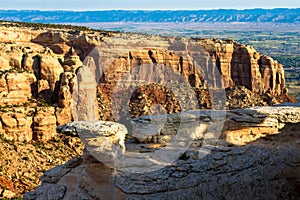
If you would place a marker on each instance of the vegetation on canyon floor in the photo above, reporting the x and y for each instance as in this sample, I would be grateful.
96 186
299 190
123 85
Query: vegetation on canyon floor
36 157
23 163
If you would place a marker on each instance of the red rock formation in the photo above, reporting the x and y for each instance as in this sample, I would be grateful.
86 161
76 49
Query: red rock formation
64 110
41 66
221 54
272 75
16 124
44 124
10 57
16 88
236 65
50 69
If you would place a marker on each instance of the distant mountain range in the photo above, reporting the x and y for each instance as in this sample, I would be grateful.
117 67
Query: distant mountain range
281 15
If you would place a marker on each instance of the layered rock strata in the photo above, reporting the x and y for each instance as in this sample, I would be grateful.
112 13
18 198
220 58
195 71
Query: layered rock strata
135 73
261 168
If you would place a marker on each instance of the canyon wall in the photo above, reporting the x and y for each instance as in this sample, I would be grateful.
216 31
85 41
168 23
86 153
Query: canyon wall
38 75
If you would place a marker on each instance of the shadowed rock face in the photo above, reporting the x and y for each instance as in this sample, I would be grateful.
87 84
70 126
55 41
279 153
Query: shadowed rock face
226 173
38 68
265 167
42 75
238 64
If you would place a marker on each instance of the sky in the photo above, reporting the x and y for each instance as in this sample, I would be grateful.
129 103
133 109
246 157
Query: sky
144 4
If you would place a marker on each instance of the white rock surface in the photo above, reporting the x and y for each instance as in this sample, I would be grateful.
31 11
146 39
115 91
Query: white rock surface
263 169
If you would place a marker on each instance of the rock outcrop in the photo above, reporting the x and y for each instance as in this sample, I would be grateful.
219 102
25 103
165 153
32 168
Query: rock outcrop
16 124
260 169
50 70
44 124
239 126
136 74
41 77
16 88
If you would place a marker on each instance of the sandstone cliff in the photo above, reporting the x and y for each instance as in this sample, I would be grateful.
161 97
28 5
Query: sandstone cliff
38 69
43 83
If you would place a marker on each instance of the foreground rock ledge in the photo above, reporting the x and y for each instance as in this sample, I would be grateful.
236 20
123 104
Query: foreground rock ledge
266 168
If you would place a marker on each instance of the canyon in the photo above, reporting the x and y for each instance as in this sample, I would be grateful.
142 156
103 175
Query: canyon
38 75
52 76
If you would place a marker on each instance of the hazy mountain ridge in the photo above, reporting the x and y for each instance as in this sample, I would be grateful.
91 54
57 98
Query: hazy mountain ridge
282 15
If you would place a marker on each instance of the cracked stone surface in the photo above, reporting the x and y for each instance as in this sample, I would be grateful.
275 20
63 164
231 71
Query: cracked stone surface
267 167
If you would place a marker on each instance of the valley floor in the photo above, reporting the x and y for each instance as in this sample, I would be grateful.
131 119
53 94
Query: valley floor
22 164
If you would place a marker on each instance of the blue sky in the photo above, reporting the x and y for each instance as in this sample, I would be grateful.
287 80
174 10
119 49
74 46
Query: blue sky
145 4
